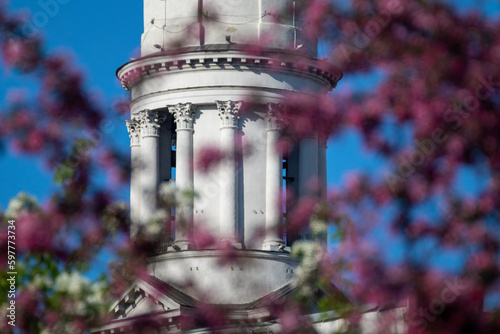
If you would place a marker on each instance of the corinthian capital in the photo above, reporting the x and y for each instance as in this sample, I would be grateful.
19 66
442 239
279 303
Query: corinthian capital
274 116
228 113
134 131
150 123
183 115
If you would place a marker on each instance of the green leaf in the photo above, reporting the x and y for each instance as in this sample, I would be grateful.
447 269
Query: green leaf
63 173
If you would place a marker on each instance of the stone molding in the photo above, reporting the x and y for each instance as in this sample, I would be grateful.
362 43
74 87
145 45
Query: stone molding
133 71
229 113
134 130
183 115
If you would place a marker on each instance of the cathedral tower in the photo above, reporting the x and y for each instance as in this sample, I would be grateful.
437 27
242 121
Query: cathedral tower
215 75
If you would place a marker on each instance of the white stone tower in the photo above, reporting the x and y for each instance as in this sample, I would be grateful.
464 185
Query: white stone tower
202 82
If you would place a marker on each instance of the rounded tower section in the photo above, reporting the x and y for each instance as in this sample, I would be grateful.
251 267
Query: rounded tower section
215 74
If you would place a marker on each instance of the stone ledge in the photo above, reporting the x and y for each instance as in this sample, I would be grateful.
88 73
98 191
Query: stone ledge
135 70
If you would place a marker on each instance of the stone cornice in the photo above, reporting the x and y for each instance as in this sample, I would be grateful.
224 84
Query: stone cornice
133 71
256 254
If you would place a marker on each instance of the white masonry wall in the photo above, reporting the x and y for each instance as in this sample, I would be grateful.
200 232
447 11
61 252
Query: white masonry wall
173 23
251 175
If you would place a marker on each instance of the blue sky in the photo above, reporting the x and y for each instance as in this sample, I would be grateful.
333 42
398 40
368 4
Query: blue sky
100 36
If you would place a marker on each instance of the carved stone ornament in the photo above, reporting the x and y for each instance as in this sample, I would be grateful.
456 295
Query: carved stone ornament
150 123
134 130
228 113
183 115
274 116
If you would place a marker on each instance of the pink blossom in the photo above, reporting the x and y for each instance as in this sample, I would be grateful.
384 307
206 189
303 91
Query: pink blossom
202 238
34 233
208 157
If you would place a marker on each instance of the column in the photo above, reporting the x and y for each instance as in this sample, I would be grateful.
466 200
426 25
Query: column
166 169
308 172
308 167
150 163
322 179
274 180
228 113
134 130
183 116
323 186
165 152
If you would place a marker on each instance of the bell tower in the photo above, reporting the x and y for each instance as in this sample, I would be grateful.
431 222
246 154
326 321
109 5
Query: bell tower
216 75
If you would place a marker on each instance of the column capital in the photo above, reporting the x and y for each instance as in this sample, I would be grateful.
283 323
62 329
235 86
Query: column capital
183 115
274 116
228 113
150 121
134 130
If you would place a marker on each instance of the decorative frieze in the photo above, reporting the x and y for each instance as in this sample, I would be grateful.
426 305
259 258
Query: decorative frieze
183 115
274 117
229 113
134 130
134 71
150 122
